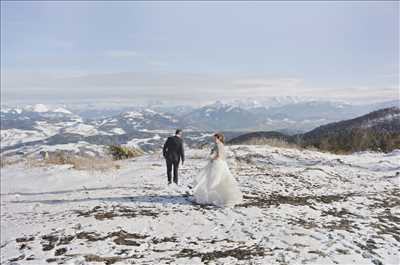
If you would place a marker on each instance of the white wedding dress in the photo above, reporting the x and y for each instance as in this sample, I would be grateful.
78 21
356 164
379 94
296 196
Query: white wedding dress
215 184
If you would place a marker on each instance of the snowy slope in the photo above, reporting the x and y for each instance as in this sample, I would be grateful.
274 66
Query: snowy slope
130 121
39 122
300 207
16 136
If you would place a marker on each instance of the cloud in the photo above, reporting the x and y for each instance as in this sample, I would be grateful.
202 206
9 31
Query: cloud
272 82
121 53
157 63
366 93
183 87
61 44
392 75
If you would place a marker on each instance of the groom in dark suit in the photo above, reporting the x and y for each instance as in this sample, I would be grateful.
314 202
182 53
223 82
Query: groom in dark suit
173 152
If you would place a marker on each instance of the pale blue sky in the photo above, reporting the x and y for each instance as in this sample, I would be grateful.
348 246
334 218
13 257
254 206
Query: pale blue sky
213 50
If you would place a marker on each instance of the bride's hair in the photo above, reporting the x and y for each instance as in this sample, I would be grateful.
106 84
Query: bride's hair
220 136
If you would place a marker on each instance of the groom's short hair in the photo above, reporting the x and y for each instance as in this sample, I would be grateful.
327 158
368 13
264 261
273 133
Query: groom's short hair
178 131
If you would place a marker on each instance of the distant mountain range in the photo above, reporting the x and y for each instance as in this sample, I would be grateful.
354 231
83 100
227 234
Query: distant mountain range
291 118
378 130
29 128
290 115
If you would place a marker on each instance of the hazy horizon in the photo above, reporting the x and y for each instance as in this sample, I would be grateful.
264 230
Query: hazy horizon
130 104
198 52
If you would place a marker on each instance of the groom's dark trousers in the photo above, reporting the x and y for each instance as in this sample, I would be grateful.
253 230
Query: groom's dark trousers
170 165
173 153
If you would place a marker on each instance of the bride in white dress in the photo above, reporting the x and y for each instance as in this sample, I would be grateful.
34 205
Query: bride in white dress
215 184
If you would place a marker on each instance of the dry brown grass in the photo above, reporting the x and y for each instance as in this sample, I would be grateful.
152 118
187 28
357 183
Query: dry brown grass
95 164
77 162
272 142
283 144
119 152
7 161
197 156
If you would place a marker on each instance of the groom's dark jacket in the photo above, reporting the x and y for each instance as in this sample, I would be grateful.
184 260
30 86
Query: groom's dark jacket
173 149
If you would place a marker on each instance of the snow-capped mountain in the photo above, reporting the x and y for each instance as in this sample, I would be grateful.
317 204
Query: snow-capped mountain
384 120
251 103
25 129
255 115
220 116
37 128
287 114
146 119
378 130
26 118
33 123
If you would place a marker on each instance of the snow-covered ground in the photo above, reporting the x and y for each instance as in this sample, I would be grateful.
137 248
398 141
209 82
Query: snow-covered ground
300 207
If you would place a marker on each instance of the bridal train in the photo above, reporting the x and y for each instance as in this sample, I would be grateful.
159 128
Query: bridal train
215 184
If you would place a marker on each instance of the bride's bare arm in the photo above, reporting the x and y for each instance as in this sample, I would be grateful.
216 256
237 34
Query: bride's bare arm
214 153
216 156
